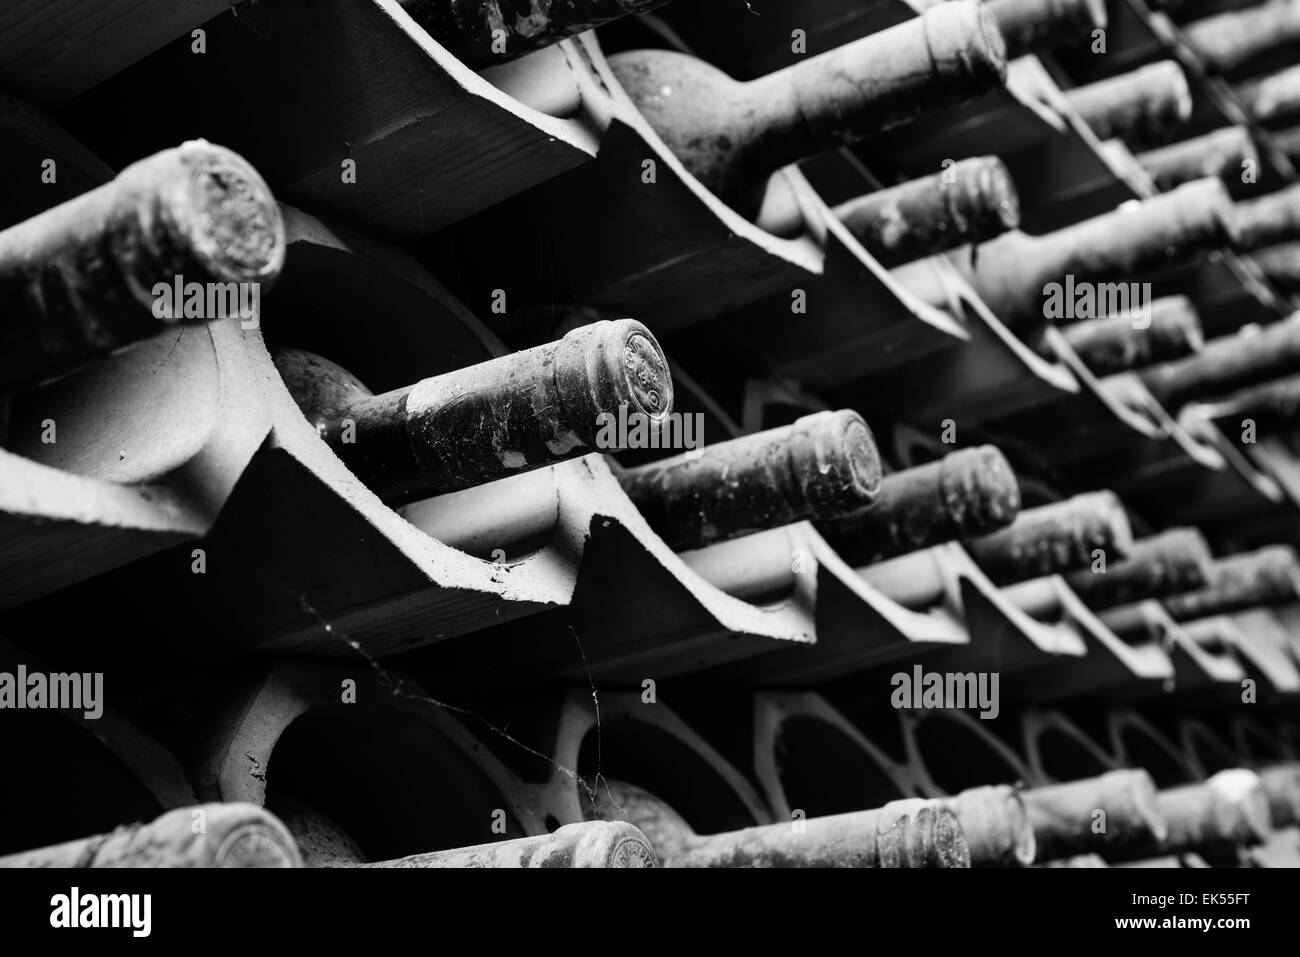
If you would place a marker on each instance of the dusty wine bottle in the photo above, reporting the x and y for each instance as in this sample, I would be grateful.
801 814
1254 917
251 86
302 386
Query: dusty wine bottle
324 843
1226 364
487 421
1267 576
1224 153
1143 107
1230 41
1280 264
910 833
592 844
232 835
485 32
1055 538
1016 273
822 466
1227 810
965 493
996 824
1064 816
1269 220
732 136
1170 330
77 282
1275 401
969 202
1273 99
1174 561
1033 25
1281 783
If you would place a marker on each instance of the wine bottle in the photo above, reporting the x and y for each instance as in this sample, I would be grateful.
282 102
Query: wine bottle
232 835
1170 330
593 844
1280 264
1231 41
1274 99
1267 576
1226 364
1033 25
1143 106
965 493
996 824
971 201
1281 783
1064 816
1174 561
1032 279
1225 153
820 467
484 32
1275 401
1270 219
80 281
1055 538
324 843
908 833
487 421
732 136
1230 808
1041 541
1226 811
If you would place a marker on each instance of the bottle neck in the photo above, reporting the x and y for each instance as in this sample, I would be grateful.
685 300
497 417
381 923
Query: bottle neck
1062 814
949 54
1223 153
1030 25
970 492
822 466
489 421
1086 270
1227 363
970 202
1169 330
996 825
1175 561
1140 105
1230 39
733 136
1054 538
909 833
1270 219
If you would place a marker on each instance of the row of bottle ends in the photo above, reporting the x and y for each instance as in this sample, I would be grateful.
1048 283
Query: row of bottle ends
1119 817
470 427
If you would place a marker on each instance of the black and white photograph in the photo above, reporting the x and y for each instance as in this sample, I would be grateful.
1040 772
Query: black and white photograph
663 434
